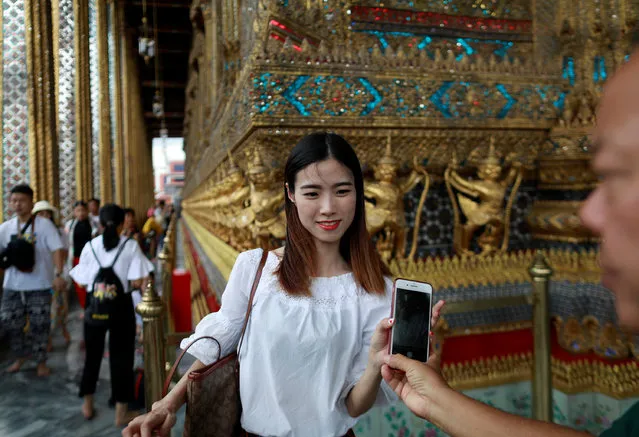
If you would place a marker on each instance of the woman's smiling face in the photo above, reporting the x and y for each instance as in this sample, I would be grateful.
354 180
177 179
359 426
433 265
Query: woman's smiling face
325 199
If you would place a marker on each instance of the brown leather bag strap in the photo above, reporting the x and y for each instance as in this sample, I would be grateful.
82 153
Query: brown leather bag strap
169 377
256 282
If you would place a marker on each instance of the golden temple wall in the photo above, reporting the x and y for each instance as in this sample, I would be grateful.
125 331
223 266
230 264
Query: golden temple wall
434 91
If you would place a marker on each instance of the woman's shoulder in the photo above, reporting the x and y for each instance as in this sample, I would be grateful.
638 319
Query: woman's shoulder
377 298
249 258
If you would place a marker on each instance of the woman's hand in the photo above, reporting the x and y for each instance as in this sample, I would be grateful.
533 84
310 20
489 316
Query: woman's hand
381 338
156 423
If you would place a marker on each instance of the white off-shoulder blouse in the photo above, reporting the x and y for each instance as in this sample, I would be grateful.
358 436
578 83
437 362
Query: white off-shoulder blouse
301 355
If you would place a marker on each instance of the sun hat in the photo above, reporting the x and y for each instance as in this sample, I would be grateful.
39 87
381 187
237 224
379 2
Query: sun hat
43 205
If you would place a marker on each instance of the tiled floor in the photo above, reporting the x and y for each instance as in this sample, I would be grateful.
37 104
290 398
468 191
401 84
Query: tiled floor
34 407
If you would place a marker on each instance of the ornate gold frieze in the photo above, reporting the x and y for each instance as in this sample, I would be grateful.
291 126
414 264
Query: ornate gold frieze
566 173
486 372
443 330
619 381
564 164
589 335
511 267
558 220
518 9
434 146
300 75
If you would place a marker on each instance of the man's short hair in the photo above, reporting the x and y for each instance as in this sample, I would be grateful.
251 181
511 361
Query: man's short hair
81 203
94 199
23 189
129 211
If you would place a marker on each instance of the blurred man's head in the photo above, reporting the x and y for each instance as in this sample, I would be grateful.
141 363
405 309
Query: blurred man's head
21 200
80 211
94 206
129 218
612 210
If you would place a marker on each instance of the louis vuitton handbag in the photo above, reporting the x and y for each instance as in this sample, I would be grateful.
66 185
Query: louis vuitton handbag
213 407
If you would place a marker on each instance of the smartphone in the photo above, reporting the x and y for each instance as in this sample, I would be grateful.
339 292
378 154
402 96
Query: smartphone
412 309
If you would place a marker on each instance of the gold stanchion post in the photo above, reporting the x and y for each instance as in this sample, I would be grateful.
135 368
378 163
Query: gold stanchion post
151 309
540 273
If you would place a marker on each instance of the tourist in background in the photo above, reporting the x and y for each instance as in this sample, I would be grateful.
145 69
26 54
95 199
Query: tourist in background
33 262
79 231
131 229
60 301
131 268
151 232
94 215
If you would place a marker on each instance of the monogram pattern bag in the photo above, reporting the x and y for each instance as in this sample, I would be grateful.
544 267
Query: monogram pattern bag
213 407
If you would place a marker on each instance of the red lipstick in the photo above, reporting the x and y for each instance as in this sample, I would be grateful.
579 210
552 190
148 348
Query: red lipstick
329 225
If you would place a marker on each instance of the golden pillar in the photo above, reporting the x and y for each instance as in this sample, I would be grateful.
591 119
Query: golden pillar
106 182
126 118
117 23
138 171
83 157
151 309
43 142
540 272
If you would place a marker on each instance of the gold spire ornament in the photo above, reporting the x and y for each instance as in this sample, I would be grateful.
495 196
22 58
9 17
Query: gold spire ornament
387 159
256 165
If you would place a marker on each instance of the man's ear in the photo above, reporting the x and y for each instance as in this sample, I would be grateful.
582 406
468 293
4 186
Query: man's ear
290 194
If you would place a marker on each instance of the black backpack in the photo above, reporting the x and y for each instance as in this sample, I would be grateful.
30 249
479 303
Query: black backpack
107 287
20 252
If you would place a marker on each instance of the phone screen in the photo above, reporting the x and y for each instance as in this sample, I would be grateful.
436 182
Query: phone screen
412 324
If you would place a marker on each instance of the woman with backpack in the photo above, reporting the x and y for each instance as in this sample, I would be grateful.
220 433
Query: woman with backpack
110 266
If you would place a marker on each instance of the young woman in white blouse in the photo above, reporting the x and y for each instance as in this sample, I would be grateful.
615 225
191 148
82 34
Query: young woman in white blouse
318 333
131 267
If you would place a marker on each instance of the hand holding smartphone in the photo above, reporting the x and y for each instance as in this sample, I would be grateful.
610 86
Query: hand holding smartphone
412 311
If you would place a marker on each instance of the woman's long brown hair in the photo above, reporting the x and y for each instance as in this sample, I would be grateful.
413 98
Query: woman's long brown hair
298 263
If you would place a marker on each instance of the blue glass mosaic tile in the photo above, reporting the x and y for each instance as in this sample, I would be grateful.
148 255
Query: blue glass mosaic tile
510 101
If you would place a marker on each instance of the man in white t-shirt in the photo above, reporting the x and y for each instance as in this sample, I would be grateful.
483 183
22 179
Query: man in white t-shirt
27 291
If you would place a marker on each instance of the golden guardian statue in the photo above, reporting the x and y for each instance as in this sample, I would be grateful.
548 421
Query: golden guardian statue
481 202
385 205
264 214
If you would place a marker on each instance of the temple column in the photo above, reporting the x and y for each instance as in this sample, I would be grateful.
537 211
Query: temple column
138 162
106 182
84 162
43 142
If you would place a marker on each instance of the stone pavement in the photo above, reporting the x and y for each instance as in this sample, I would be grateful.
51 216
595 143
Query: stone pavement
50 407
